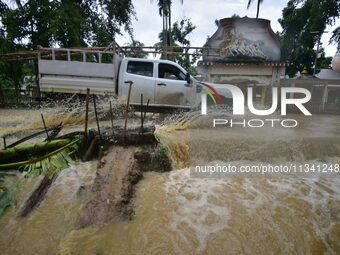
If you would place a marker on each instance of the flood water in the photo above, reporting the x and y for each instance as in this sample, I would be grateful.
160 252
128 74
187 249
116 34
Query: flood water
178 214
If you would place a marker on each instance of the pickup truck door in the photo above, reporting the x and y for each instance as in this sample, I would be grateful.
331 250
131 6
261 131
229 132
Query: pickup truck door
171 86
141 73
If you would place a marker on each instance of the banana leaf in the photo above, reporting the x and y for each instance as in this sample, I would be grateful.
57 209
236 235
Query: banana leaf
53 161
26 152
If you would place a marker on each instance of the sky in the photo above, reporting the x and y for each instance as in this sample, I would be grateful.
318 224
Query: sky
202 14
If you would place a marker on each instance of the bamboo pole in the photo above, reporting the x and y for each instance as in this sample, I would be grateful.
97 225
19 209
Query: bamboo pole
96 113
53 129
141 112
30 55
4 138
86 116
147 106
43 120
111 117
127 104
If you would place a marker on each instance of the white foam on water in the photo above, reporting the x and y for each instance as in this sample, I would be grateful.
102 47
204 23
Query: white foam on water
70 180
195 210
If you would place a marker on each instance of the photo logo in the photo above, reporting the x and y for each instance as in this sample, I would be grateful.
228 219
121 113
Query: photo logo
209 90
286 96
239 99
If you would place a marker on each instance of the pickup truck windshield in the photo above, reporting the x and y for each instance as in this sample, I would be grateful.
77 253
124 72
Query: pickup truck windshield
166 71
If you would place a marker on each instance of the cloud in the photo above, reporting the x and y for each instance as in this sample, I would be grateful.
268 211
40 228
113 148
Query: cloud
203 13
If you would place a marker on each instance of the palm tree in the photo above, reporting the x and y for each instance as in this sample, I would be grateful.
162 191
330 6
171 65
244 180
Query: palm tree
165 12
164 7
259 2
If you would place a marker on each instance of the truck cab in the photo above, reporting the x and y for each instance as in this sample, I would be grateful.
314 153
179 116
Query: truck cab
164 83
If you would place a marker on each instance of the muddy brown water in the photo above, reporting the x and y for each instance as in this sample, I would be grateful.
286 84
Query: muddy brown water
178 214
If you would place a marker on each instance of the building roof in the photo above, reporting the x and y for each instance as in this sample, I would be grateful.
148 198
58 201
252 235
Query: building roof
243 40
328 74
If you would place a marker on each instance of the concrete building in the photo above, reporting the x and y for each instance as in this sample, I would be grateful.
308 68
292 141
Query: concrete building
325 89
244 52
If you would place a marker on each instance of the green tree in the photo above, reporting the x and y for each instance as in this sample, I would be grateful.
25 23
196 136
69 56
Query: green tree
136 50
67 23
164 7
259 2
26 24
179 36
335 39
11 73
303 22
323 61
29 21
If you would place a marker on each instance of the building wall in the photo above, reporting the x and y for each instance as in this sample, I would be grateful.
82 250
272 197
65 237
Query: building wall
242 74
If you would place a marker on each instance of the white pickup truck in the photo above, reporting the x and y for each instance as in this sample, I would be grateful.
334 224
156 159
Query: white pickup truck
164 83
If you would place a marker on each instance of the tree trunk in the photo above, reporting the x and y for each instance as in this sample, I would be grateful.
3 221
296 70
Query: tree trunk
169 30
17 90
2 99
38 195
258 8
164 30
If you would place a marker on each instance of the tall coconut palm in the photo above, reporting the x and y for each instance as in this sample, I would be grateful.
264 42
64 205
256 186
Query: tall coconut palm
164 7
259 2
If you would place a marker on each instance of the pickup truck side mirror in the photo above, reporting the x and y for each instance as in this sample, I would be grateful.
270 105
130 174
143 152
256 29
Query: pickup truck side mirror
187 78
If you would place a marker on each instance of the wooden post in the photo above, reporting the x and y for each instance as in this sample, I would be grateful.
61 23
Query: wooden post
111 117
144 114
4 138
99 57
146 108
86 115
141 112
95 112
43 120
68 55
127 104
38 195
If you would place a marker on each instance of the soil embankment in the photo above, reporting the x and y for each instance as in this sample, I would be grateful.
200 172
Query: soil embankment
119 170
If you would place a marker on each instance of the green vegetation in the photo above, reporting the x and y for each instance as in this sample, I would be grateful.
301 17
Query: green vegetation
179 38
25 25
51 163
144 147
303 22
164 7
7 197
138 52
28 158
162 151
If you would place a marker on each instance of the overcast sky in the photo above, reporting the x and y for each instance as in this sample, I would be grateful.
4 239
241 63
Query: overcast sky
202 14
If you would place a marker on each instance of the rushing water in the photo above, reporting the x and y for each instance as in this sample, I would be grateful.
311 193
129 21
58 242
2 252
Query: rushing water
178 214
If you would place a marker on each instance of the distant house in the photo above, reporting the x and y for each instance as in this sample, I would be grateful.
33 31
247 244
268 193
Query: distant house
332 80
325 90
